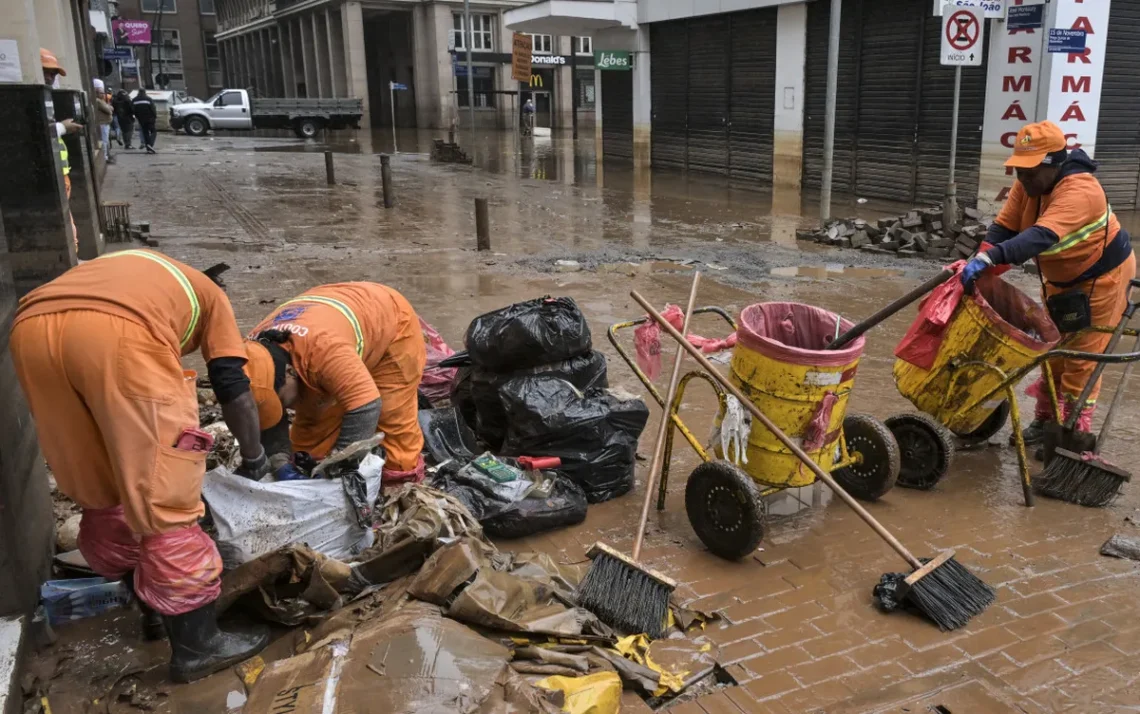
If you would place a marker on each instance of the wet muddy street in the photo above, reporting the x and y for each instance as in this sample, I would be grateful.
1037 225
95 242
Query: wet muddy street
800 632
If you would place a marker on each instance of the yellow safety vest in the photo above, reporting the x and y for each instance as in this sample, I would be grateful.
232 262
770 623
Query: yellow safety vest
1081 234
342 309
195 307
63 156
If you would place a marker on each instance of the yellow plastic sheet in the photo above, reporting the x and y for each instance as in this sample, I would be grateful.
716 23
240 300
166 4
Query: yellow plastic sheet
594 694
636 648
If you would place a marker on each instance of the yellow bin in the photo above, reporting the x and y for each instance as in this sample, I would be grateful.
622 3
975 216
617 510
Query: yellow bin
999 326
780 365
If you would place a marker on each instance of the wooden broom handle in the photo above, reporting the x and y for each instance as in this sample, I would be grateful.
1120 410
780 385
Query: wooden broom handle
819 473
655 466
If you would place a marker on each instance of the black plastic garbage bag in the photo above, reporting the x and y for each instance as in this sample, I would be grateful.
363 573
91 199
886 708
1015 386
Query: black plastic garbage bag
528 334
594 433
586 372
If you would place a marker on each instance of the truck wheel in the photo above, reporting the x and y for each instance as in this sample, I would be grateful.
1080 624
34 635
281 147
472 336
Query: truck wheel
308 128
197 126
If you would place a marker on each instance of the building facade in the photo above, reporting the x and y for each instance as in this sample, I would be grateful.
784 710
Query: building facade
184 54
739 88
345 48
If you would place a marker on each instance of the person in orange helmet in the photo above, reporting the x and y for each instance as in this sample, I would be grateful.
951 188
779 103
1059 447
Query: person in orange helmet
349 359
98 352
1058 215
53 70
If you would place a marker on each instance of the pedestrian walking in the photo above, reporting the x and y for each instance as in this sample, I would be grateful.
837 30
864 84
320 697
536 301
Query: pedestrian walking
124 113
528 117
143 108
1057 214
104 114
53 70
98 354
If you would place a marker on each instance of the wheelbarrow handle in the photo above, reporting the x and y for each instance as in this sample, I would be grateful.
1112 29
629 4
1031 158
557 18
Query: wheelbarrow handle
822 475
858 330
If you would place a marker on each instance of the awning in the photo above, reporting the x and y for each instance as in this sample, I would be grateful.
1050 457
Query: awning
576 18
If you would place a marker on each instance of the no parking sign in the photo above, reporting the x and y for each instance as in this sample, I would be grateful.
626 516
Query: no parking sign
963 32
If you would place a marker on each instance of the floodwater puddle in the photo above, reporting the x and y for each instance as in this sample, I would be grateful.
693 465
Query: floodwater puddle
823 272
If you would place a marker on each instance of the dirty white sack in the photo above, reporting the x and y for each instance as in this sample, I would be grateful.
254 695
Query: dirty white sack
254 518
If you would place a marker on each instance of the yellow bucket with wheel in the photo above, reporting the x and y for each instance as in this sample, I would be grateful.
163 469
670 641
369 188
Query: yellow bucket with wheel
998 326
780 364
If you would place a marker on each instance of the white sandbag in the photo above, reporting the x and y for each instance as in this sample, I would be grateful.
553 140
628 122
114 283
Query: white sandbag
254 518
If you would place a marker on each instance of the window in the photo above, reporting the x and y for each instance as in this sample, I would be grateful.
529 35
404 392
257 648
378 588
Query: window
213 60
543 44
206 7
481 30
586 90
151 6
582 45
484 87
231 99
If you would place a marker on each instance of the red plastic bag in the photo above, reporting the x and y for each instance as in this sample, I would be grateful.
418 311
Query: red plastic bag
107 542
437 381
647 341
920 344
997 269
178 571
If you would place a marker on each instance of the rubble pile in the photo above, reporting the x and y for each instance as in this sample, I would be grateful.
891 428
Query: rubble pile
448 152
917 233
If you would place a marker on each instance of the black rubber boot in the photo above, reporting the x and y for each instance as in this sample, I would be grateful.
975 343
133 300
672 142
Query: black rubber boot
198 648
1033 434
153 628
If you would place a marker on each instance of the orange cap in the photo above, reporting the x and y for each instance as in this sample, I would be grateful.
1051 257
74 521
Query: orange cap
1034 142
261 371
48 60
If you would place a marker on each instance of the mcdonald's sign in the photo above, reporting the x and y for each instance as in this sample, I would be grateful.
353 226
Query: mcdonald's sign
536 80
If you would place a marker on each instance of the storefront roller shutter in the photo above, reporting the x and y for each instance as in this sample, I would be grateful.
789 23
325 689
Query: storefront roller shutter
708 93
1118 131
890 46
934 123
669 45
617 115
752 93
815 95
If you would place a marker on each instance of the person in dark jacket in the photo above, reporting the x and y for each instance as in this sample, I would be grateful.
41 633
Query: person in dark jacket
125 114
143 109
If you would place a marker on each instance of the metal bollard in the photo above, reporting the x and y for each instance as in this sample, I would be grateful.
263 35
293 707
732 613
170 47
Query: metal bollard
386 180
482 225
330 172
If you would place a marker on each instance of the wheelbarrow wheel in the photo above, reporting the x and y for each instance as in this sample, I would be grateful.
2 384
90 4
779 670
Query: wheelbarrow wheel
724 509
872 444
925 450
991 426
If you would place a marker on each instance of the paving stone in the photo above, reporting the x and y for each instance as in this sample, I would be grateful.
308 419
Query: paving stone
823 669
772 685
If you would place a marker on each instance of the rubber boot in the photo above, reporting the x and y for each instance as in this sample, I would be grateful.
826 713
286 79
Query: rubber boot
153 628
198 648
1033 434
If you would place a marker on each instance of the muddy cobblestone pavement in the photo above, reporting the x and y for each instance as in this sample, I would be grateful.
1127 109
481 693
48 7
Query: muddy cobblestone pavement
800 633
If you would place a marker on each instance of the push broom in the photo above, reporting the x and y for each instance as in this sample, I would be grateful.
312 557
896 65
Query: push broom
942 588
618 589
1085 478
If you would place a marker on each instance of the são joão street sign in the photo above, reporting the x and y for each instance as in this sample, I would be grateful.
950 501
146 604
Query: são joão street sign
963 32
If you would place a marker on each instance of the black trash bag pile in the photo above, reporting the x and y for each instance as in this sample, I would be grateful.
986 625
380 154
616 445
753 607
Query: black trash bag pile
518 507
540 337
594 432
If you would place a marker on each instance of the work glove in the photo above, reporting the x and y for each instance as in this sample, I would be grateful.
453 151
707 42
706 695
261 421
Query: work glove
254 469
977 265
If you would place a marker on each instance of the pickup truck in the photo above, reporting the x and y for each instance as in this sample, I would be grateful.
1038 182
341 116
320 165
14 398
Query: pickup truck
234 109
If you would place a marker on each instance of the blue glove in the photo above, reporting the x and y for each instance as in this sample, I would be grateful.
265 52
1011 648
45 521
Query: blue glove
977 265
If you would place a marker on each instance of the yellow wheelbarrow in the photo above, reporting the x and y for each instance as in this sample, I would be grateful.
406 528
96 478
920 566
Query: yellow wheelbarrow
780 364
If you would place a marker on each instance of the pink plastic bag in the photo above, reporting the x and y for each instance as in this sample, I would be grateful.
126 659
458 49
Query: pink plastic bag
647 341
107 542
920 344
437 381
815 435
178 571
391 477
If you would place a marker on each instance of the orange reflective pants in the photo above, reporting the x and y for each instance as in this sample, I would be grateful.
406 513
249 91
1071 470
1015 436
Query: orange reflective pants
1108 300
317 425
109 401
70 218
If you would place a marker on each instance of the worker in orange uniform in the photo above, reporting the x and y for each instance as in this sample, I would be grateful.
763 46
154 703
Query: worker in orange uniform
1058 214
349 359
98 353
53 70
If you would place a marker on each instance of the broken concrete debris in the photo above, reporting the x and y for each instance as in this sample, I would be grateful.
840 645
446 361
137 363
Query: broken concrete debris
448 152
916 233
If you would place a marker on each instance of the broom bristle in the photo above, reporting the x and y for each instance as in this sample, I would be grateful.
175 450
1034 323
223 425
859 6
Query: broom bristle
624 597
1085 482
950 595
